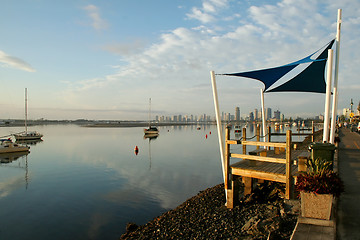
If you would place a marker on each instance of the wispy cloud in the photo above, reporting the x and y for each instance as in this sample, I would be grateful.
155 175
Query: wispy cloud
208 11
125 48
180 61
14 62
94 13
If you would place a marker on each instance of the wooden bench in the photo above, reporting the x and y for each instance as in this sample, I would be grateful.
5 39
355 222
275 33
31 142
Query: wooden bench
259 152
261 164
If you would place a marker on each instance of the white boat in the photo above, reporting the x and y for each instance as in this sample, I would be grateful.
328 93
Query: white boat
33 135
7 146
150 129
237 129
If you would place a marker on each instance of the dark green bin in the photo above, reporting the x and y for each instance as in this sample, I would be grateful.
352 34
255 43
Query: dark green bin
323 150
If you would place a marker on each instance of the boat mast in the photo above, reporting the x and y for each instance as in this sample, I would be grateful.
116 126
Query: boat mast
149 112
25 110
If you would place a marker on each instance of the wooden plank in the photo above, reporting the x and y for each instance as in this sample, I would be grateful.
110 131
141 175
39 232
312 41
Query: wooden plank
265 144
258 158
233 141
260 175
304 155
293 134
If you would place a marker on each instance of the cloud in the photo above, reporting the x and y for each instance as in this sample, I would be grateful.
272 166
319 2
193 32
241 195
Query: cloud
94 13
125 48
173 68
209 10
14 62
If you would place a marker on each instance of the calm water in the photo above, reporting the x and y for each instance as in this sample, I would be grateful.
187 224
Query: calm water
87 183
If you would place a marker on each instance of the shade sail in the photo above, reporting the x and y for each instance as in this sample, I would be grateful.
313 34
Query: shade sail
309 79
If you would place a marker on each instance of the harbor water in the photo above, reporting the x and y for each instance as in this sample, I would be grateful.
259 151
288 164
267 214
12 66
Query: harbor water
87 183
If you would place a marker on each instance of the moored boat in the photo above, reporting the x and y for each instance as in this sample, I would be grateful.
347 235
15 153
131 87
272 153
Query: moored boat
33 135
7 146
23 136
237 129
150 129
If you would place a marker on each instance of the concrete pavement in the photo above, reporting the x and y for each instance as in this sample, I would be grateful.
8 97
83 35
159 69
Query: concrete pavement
347 217
348 211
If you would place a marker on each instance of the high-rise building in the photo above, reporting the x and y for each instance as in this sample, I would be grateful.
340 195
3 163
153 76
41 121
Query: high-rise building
256 114
251 116
277 115
268 113
237 114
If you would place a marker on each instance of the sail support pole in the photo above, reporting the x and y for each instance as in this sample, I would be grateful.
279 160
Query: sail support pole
328 96
219 125
335 91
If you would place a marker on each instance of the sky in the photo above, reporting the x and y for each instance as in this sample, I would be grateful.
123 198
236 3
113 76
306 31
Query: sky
83 59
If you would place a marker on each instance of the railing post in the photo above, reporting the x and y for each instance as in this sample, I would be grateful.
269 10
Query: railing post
289 179
269 134
227 157
258 135
244 139
312 131
231 187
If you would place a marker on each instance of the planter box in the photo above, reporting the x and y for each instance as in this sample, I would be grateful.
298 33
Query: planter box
316 205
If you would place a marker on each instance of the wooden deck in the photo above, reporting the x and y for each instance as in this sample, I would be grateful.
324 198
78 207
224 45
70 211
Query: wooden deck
272 171
281 164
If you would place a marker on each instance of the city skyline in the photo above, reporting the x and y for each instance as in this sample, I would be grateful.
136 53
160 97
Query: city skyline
103 60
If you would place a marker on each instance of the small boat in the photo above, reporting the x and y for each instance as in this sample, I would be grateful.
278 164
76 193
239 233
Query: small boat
150 129
237 129
23 136
27 135
7 146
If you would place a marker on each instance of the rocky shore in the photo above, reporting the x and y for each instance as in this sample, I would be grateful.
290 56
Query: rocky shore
262 215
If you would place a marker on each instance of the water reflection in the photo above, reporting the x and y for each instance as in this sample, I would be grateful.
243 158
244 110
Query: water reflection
29 142
150 137
12 181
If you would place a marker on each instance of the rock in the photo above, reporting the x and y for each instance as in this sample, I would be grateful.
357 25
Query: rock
130 227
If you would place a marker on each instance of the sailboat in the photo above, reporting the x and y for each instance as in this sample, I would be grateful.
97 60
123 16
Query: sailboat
151 130
33 135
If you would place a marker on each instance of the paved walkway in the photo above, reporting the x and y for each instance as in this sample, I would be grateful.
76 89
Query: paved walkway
348 214
348 210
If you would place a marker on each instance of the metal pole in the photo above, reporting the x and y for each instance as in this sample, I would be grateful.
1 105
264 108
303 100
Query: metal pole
328 96
219 125
335 92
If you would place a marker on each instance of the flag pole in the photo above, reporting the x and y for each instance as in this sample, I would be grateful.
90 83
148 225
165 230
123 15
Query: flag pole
263 113
219 125
335 91
328 96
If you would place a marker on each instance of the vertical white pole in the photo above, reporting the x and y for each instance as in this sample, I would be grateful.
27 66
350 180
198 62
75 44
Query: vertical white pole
219 125
335 92
26 110
328 96
263 113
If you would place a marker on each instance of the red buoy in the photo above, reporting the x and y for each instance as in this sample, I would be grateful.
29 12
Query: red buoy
210 132
206 136
136 150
